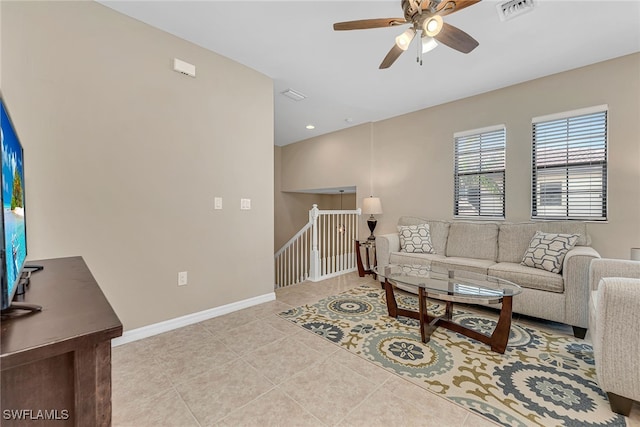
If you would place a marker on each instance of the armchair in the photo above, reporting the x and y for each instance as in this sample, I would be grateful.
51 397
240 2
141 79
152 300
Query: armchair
614 322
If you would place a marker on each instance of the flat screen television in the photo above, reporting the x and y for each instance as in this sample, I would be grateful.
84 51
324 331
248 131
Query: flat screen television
14 232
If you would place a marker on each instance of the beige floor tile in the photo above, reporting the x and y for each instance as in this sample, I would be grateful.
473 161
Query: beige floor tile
298 297
176 338
135 373
438 410
373 373
328 390
250 336
319 344
193 358
263 310
634 417
385 408
131 352
474 420
158 410
271 409
283 325
282 359
222 389
254 368
310 292
221 324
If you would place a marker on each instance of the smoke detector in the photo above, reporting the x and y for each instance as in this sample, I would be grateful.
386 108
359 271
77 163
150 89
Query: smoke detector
513 8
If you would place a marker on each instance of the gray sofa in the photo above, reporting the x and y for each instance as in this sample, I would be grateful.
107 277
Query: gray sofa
614 322
496 249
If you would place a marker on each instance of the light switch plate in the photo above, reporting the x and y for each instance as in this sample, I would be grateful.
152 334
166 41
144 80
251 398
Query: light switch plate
245 204
217 203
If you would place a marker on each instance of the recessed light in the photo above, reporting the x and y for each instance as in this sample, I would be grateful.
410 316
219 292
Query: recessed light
310 127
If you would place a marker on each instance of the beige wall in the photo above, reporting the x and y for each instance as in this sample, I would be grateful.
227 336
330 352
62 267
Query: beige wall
289 221
339 159
124 156
412 155
292 208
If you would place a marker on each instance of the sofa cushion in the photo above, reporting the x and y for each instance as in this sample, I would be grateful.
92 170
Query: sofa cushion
473 240
547 250
513 239
413 258
479 266
439 231
528 277
415 238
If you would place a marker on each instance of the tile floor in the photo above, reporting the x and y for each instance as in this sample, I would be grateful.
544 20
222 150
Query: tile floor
252 368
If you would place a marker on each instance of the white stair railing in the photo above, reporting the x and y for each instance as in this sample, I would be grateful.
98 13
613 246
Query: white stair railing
323 248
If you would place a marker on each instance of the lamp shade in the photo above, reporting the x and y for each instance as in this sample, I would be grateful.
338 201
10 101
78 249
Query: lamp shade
404 39
372 206
428 44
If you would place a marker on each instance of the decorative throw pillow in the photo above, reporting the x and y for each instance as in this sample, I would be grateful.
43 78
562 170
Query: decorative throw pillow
415 238
547 250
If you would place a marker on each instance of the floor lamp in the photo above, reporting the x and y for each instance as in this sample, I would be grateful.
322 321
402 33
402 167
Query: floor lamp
372 206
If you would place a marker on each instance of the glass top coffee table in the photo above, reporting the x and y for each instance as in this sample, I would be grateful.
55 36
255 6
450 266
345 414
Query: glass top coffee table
450 286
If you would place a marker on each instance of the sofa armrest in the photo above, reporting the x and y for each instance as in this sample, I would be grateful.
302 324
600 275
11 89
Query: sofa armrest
616 343
606 267
575 273
385 244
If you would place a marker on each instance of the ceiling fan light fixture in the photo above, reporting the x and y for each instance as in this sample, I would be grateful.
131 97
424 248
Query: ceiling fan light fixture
428 44
433 25
404 39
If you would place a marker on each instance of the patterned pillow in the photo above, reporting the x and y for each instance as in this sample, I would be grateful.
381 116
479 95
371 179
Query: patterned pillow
547 250
415 238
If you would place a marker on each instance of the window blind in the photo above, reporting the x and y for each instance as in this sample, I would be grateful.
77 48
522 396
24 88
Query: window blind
569 166
479 177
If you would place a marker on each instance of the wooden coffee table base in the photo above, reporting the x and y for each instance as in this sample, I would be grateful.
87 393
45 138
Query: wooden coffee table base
497 340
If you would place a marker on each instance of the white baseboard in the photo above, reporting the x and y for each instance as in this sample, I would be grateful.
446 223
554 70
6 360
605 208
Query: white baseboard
189 319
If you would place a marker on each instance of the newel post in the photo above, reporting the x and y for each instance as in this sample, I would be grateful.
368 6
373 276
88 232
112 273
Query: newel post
314 262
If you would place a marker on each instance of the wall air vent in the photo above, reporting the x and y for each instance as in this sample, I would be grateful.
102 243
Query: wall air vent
292 94
513 8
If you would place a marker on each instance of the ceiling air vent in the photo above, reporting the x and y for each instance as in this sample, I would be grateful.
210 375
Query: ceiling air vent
510 9
292 94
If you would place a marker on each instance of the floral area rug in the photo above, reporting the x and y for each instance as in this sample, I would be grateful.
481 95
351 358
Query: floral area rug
543 379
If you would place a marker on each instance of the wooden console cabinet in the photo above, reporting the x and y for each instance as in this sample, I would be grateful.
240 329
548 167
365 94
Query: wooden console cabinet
56 364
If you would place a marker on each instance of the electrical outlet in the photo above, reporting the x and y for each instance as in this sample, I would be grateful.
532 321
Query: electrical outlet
182 278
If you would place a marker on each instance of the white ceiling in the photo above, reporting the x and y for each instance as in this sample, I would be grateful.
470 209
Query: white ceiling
293 42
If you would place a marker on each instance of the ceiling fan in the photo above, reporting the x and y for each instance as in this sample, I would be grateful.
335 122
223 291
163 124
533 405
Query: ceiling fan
424 16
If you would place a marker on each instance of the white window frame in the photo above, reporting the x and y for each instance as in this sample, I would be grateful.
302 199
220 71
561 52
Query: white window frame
597 158
460 137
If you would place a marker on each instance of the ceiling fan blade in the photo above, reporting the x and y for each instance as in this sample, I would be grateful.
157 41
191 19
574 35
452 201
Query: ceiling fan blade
456 39
391 57
448 7
364 24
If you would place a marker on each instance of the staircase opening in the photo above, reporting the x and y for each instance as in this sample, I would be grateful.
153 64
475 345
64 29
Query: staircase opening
323 242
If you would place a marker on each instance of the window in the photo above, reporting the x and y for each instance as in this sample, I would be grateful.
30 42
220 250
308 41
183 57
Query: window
479 173
569 165
550 193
